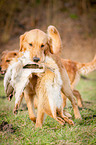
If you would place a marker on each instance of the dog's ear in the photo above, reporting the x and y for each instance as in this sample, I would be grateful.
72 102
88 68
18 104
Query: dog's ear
54 40
4 52
21 40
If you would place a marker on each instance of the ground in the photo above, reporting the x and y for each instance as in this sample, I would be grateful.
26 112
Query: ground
83 132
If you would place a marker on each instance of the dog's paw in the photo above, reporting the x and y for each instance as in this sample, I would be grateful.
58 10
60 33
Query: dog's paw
15 111
67 114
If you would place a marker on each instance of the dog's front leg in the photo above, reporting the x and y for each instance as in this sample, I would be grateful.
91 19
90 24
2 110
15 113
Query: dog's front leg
64 99
29 98
40 116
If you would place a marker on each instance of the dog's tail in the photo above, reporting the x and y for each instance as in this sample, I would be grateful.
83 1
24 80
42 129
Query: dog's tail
85 68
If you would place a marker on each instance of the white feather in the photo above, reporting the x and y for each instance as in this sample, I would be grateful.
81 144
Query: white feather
54 87
19 77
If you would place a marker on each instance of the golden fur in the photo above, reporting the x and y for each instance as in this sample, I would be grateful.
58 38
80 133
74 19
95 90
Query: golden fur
74 69
40 45
6 57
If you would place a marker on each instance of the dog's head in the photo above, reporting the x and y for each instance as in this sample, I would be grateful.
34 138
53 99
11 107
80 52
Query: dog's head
40 44
6 58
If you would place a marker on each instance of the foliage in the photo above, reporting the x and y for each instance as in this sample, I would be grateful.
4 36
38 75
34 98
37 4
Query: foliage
73 16
18 16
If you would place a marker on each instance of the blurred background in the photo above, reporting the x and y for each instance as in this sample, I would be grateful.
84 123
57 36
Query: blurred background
74 19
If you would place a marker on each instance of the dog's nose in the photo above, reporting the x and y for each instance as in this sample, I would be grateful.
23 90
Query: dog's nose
0 68
36 59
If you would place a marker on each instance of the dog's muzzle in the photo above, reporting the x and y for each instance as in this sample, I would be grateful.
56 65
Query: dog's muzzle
2 72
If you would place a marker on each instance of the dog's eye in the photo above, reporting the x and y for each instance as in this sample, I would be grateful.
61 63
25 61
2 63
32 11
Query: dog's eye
7 60
30 44
15 54
42 45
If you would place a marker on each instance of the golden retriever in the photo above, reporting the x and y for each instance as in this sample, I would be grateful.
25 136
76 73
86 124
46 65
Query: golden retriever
74 70
6 57
40 45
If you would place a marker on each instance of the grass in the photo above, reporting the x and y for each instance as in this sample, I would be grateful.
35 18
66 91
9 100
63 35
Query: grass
82 133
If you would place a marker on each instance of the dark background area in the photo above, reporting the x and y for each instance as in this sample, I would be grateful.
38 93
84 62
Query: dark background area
75 20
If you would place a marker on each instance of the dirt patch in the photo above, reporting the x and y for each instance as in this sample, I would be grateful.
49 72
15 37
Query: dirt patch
6 127
89 117
2 97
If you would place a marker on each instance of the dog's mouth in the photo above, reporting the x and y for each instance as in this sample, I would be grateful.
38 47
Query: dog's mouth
3 72
33 66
